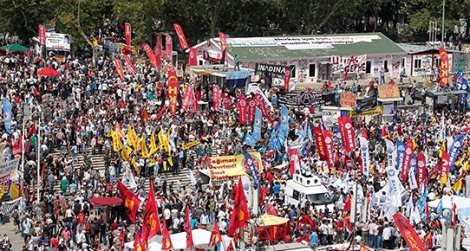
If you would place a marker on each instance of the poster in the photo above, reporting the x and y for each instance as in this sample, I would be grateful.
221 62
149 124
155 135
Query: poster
229 167
388 91
350 64
8 168
347 99
365 104
58 41
306 99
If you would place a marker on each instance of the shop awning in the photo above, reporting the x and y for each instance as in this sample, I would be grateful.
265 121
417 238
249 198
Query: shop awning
270 220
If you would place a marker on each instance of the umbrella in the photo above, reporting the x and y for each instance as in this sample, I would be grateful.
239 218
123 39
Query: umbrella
48 71
14 47
106 201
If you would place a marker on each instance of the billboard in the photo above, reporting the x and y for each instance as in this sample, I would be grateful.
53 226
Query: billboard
58 41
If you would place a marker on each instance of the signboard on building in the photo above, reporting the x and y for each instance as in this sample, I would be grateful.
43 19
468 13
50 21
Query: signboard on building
347 99
58 41
306 99
351 64
273 69
388 91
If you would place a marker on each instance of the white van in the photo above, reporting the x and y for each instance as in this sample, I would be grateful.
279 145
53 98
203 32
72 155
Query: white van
310 188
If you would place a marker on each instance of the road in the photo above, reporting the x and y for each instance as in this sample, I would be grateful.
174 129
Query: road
15 239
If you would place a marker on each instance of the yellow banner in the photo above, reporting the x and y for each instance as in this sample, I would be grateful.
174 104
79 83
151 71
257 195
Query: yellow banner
190 144
372 112
232 166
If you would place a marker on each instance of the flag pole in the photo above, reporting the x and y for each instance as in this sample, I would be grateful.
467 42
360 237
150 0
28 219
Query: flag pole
39 159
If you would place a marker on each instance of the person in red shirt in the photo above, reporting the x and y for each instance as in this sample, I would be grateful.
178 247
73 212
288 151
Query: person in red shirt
54 242
81 218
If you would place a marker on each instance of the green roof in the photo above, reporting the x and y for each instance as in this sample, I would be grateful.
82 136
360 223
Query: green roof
302 47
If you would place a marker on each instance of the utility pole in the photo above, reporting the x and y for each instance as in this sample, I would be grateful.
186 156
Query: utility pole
39 160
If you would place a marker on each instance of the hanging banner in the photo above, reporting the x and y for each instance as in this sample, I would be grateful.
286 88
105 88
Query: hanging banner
400 154
287 74
390 149
119 70
455 150
192 61
365 104
347 99
443 67
306 99
269 68
181 37
320 143
242 110
129 66
251 109
127 34
393 180
347 133
422 171
409 234
8 168
188 93
42 34
148 50
365 156
190 144
445 159
405 169
169 48
233 166
329 147
215 97
223 44
172 91
158 51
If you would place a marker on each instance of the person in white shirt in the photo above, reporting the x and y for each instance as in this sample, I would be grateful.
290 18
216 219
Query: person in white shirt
386 236
80 238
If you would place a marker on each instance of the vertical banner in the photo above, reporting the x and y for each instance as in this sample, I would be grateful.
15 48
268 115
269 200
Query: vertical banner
6 109
158 51
329 147
215 97
42 34
390 149
287 74
187 98
294 161
320 143
422 171
169 48
172 91
242 110
257 125
409 234
119 70
412 173
127 34
223 43
405 168
251 110
455 150
445 159
365 156
444 67
130 66
347 133
400 154
181 37
192 56
150 55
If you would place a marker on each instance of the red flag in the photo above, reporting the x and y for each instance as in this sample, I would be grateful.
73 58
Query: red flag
347 133
405 168
181 37
127 34
422 170
119 70
251 110
188 97
242 110
287 74
215 97
364 133
42 34
131 201
444 163
17 146
320 143
192 56
294 161
172 91
412 239
240 215
150 55
307 220
428 240
384 132
329 147
138 242
443 67
188 230
166 240
426 210
216 237
31 131
454 214
130 66
223 44
169 48
151 219
158 51
347 205
145 114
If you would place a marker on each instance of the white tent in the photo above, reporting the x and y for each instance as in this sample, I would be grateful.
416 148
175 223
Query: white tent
201 239
460 202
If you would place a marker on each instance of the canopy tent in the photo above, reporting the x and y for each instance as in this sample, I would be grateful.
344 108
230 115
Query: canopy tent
106 201
201 240
460 202
48 71
272 227
270 220
14 48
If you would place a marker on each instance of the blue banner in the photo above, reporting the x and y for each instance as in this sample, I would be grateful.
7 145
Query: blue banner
249 140
400 154
7 115
455 150
250 163
284 127
257 125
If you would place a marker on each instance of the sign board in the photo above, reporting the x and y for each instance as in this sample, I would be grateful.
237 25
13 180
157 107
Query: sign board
371 112
306 99
347 99
273 69
388 91
58 41
232 166
365 104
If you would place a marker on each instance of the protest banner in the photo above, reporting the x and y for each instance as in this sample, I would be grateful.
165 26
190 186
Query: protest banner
190 144
229 167
388 91
347 99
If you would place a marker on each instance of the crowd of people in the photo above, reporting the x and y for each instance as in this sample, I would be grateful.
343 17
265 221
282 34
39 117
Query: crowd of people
74 113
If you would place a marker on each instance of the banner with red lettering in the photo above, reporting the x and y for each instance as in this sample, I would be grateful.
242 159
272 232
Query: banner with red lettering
172 91
129 65
287 74
444 67
223 43
42 34
347 133
188 97
405 168
320 143
261 104
251 110
242 110
294 161
422 170
192 56
181 37
169 48
409 234
329 147
158 51
119 70
148 50
127 34
226 101
215 97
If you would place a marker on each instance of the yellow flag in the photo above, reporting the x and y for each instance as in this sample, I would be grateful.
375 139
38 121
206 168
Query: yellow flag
153 144
444 179
443 148
459 162
414 144
164 142
131 137
143 148
170 160
119 131
134 165
117 144
458 185
466 166
126 153
137 148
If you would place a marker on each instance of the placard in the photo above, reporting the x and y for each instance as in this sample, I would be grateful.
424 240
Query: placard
388 91
232 166
347 99
58 41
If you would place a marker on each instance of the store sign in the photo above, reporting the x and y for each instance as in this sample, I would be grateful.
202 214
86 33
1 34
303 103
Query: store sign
273 69
58 41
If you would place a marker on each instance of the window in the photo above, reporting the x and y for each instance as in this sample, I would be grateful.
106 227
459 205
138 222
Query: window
311 70
417 63
296 195
293 70
386 65
368 66
437 62
403 61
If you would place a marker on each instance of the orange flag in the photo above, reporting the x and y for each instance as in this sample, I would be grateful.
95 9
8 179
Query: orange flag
145 114
166 240
188 230
131 201
216 237
240 215
151 219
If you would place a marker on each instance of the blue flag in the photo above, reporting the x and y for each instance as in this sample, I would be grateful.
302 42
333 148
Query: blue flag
464 84
400 154
249 140
439 207
257 125
7 115
251 164
459 76
284 124
455 150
